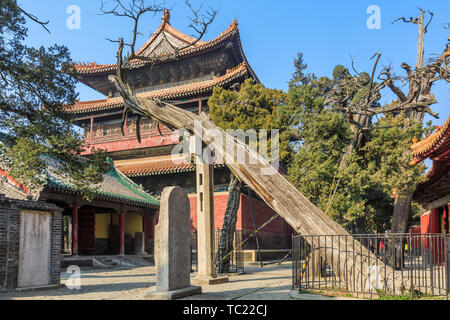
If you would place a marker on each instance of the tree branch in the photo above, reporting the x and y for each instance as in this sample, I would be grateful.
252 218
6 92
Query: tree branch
431 18
199 23
373 74
35 19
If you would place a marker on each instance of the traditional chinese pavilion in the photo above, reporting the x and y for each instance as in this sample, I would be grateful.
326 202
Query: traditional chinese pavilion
434 194
188 82
112 222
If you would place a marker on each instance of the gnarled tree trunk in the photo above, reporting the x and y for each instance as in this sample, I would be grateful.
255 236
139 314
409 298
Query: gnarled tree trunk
229 226
402 210
356 122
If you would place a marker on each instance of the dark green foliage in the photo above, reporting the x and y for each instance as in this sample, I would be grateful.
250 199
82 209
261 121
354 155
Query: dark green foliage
299 77
359 197
35 84
253 107
340 72
377 171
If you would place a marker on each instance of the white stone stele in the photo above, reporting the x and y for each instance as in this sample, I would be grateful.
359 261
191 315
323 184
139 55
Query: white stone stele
172 248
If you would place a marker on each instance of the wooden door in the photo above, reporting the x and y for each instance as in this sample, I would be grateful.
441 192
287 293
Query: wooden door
86 232
35 247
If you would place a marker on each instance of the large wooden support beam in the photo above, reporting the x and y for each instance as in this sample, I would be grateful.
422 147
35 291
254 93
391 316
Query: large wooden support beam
265 180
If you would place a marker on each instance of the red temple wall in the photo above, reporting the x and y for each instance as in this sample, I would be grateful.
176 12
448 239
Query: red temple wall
425 225
429 223
262 213
276 234
130 144
220 205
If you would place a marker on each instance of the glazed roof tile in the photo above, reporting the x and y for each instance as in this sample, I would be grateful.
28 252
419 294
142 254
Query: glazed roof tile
175 92
11 190
158 165
115 187
424 147
198 47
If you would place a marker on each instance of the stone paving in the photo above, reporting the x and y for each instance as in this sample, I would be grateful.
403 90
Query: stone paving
273 282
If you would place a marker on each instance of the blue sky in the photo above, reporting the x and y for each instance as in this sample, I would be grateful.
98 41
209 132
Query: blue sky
272 33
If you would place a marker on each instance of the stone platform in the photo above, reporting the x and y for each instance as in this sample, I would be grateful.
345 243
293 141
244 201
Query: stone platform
174 294
207 281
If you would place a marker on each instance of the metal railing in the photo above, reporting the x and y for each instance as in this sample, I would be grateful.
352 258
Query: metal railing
337 262
236 256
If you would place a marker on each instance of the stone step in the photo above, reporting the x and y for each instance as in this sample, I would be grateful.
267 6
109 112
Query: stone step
107 261
150 259
77 262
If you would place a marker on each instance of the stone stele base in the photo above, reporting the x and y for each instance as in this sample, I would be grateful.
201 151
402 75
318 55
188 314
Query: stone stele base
175 294
206 280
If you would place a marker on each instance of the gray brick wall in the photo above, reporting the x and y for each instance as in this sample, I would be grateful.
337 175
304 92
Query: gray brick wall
13 246
3 251
56 255
10 239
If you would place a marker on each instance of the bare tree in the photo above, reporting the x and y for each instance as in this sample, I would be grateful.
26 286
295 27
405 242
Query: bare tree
417 101
357 97
412 104
199 21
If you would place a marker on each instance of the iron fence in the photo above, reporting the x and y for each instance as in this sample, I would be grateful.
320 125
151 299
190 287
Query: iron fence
406 265
236 255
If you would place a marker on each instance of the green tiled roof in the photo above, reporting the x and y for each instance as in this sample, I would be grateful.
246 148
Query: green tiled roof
115 187
11 191
5 139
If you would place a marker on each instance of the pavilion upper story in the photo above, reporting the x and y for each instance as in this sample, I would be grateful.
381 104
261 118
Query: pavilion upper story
186 80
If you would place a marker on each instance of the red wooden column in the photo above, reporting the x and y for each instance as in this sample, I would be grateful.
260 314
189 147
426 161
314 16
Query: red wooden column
74 230
122 232
447 219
